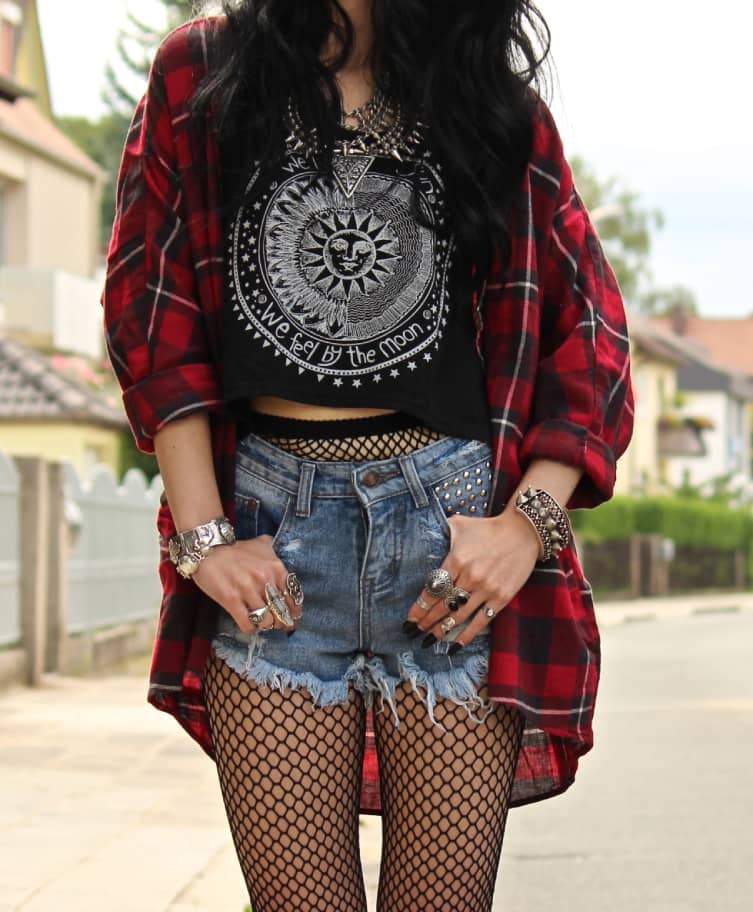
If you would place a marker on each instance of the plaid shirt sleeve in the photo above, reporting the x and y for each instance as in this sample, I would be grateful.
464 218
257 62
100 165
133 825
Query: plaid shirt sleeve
583 399
154 327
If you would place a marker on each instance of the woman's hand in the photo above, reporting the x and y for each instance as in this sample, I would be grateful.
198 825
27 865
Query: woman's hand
491 558
235 577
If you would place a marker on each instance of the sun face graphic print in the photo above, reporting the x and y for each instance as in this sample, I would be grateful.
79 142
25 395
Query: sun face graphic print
347 252
337 275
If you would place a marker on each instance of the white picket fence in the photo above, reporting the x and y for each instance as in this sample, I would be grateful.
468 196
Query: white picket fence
112 568
10 621
109 557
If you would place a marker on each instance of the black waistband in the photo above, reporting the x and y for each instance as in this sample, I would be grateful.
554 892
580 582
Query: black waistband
337 428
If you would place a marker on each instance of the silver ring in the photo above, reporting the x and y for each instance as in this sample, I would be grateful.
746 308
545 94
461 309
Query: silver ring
490 612
277 604
422 603
456 598
294 589
447 625
257 615
438 583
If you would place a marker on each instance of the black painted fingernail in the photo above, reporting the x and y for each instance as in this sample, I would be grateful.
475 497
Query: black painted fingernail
411 628
428 640
454 649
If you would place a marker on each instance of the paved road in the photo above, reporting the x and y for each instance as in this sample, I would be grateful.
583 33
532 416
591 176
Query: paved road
106 804
660 818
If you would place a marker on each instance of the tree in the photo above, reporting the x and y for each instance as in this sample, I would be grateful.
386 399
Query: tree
623 226
136 44
103 139
661 302
625 229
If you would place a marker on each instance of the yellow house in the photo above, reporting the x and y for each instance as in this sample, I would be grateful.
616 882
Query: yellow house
21 52
725 340
49 203
45 412
644 468
49 257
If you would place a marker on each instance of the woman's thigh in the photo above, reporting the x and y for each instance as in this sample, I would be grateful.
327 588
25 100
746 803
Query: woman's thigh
290 776
445 796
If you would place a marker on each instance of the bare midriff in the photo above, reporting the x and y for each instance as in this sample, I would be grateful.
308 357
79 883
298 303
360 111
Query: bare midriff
288 408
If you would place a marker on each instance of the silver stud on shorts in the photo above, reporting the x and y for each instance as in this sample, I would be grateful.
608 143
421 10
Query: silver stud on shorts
458 495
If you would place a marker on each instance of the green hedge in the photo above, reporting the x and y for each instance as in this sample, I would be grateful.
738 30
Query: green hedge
688 521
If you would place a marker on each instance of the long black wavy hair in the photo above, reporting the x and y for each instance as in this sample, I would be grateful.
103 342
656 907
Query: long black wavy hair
470 70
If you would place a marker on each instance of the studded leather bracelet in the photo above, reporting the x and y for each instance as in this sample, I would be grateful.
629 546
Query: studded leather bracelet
548 518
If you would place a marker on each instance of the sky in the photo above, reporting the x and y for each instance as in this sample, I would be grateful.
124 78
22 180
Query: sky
653 92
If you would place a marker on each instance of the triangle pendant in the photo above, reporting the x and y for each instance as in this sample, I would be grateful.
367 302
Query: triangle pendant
349 171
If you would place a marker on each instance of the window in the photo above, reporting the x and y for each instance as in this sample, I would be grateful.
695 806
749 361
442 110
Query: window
734 435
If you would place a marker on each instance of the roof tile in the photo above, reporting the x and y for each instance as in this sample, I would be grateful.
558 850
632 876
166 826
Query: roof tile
31 388
728 340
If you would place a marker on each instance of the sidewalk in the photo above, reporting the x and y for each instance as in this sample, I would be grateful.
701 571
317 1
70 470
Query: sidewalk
650 609
108 806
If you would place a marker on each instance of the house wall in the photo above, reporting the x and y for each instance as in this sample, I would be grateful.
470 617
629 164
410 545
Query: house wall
12 162
727 443
49 279
640 469
13 206
738 436
51 212
47 308
80 444
63 218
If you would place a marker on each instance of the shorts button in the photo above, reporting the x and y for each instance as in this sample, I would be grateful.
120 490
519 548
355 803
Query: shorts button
371 478
252 503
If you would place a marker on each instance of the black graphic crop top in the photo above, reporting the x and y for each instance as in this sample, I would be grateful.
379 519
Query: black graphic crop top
336 295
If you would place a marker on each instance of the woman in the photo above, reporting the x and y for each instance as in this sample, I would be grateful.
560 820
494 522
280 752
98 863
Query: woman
361 316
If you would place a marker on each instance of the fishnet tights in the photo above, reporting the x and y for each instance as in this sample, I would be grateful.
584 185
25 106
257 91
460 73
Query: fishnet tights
290 778
445 801
372 446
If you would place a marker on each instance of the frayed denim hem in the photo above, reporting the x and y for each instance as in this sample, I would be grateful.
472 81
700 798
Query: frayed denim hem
244 659
369 676
459 685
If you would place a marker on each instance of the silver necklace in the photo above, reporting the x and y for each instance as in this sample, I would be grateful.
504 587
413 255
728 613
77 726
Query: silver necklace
371 115
382 130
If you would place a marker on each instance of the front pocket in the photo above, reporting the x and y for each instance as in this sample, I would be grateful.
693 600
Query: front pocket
466 491
245 518
261 508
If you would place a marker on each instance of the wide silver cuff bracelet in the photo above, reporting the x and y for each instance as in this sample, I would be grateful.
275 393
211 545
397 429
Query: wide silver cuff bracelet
188 549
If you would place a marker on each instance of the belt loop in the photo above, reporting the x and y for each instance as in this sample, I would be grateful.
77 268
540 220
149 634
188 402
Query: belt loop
408 465
305 483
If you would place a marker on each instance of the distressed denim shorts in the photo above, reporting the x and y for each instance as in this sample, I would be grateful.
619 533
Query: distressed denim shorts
361 537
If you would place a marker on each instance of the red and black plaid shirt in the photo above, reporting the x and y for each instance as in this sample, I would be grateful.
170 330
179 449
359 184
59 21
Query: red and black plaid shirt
552 331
